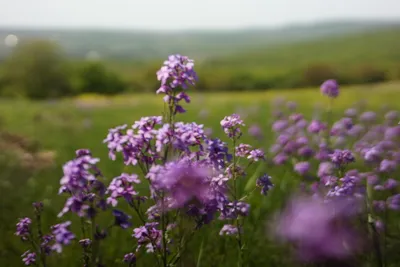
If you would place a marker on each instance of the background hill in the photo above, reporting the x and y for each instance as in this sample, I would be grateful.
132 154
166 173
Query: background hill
144 45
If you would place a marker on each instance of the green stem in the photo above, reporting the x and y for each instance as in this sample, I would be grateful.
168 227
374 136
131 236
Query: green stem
235 196
40 235
372 229
94 242
163 232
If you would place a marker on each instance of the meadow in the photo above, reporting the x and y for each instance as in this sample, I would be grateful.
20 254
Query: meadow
63 126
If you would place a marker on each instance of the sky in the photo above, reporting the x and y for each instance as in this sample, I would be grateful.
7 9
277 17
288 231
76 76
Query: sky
188 14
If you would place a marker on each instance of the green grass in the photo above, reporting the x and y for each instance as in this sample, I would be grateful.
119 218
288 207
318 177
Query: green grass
62 129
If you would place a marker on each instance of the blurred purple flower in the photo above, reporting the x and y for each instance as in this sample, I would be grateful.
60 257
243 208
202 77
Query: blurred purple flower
342 157
279 126
393 202
255 131
256 155
62 235
391 184
130 258
23 228
387 166
121 219
228 229
183 182
321 230
302 168
29 258
264 182
316 126
368 117
280 159
325 169
330 88
351 112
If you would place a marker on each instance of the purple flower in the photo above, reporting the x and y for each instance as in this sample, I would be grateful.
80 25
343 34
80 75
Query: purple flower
374 154
23 228
264 182
85 242
330 88
232 210
77 204
356 130
62 235
296 117
321 230
29 258
342 157
231 125
177 72
283 139
379 205
387 166
347 187
218 153
121 219
130 258
351 112
392 116
368 116
323 153
45 245
302 168
372 179
305 152
280 159
255 131
316 126
122 186
148 235
325 169
242 150
391 184
79 173
183 182
394 202
228 229
256 155
279 125
392 133
188 135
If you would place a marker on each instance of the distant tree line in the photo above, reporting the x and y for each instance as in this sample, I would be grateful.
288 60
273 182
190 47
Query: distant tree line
38 69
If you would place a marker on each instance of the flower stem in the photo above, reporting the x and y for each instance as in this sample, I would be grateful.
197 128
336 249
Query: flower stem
94 242
372 229
235 196
40 236
163 232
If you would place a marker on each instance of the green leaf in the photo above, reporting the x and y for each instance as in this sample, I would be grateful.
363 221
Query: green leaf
252 180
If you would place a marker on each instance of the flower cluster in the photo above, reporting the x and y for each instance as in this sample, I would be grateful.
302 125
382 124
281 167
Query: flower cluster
192 179
321 156
176 74
177 178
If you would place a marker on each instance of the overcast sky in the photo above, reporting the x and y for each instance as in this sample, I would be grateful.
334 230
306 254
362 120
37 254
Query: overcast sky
188 14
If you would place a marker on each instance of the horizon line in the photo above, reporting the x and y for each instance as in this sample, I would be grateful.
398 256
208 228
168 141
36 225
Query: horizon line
387 21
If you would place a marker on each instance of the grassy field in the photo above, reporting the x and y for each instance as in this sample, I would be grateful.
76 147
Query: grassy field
67 125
